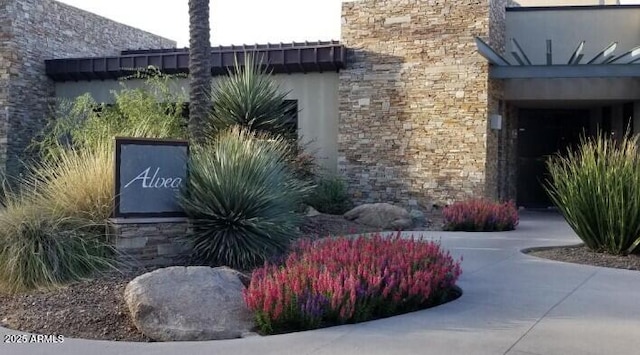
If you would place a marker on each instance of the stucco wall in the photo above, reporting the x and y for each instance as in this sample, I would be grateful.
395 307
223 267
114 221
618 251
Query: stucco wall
568 27
414 100
573 89
316 93
43 29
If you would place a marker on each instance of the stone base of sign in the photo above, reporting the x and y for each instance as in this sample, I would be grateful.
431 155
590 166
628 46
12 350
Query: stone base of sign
151 242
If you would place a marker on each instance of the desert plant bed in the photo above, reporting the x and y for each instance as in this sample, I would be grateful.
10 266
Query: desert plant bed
343 280
95 309
582 255
479 215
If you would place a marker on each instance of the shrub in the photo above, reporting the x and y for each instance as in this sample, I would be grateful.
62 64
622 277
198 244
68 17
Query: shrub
480 216
38 249
75 173
597 189
303 163
151 111
249 97
241 196
330 196
347 280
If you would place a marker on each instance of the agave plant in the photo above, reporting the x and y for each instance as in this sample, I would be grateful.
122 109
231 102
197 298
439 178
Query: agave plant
249 97
240 197
597 189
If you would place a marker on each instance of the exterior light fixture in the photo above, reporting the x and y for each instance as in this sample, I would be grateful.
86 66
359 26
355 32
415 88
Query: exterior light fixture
495 122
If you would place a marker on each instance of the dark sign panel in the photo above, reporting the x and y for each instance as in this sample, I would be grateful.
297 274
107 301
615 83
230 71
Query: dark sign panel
149 176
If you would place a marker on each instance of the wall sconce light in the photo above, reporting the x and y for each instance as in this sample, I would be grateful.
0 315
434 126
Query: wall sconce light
495 122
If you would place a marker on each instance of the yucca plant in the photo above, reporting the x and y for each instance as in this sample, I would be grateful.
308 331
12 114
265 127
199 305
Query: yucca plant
249 97
38 249
241 196
330 195
597 189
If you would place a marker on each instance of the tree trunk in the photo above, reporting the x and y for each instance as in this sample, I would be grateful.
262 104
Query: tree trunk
199 66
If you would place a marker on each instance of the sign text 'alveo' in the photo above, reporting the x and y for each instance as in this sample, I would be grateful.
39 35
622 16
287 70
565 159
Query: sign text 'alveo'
155 181
149 176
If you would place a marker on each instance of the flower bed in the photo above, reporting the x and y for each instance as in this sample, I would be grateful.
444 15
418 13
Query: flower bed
349 280
480 216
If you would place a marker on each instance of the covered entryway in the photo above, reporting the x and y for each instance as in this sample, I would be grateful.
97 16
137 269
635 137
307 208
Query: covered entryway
557 75
542 133
558 72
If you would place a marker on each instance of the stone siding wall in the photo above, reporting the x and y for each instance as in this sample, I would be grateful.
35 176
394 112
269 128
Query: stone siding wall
151 243
35 30
7 56
496 155
415 99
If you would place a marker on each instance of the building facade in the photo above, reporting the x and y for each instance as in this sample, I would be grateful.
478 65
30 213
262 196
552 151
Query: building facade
424 102
32 31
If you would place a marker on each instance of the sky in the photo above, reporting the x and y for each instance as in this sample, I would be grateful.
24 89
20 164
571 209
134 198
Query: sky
232 21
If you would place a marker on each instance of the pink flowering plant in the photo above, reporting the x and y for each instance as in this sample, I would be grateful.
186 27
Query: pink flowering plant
348 280
480 216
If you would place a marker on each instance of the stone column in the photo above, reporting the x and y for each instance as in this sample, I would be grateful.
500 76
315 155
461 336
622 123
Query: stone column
415 98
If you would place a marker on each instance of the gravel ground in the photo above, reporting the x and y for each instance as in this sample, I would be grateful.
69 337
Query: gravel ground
95 309
582 255
92 309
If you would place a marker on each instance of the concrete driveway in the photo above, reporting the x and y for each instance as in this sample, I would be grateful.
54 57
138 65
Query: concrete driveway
512 304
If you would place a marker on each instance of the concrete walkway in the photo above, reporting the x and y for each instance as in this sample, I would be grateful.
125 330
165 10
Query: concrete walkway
512 304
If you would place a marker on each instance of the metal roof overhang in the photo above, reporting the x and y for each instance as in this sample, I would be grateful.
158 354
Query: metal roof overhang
278 58
604 65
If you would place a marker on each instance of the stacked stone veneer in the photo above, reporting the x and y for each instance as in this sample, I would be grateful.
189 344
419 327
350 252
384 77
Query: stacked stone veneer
151 242
32 31
415 100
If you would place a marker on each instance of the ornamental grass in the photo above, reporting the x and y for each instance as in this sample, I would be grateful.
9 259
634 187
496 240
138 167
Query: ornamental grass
597 189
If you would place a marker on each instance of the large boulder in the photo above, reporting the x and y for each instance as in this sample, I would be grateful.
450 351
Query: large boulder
189 303
418 218
381 215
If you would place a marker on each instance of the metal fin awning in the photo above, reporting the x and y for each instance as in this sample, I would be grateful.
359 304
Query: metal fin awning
604 64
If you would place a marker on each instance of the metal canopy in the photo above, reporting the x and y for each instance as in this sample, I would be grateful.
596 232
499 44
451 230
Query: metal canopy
287 58
605 64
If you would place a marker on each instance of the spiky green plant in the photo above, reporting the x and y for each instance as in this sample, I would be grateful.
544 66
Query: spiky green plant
330 195
38 249
597 189
249 97
241 197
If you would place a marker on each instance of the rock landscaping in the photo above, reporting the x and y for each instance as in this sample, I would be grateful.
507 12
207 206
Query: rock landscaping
189 303
583 255
96 309
381 215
